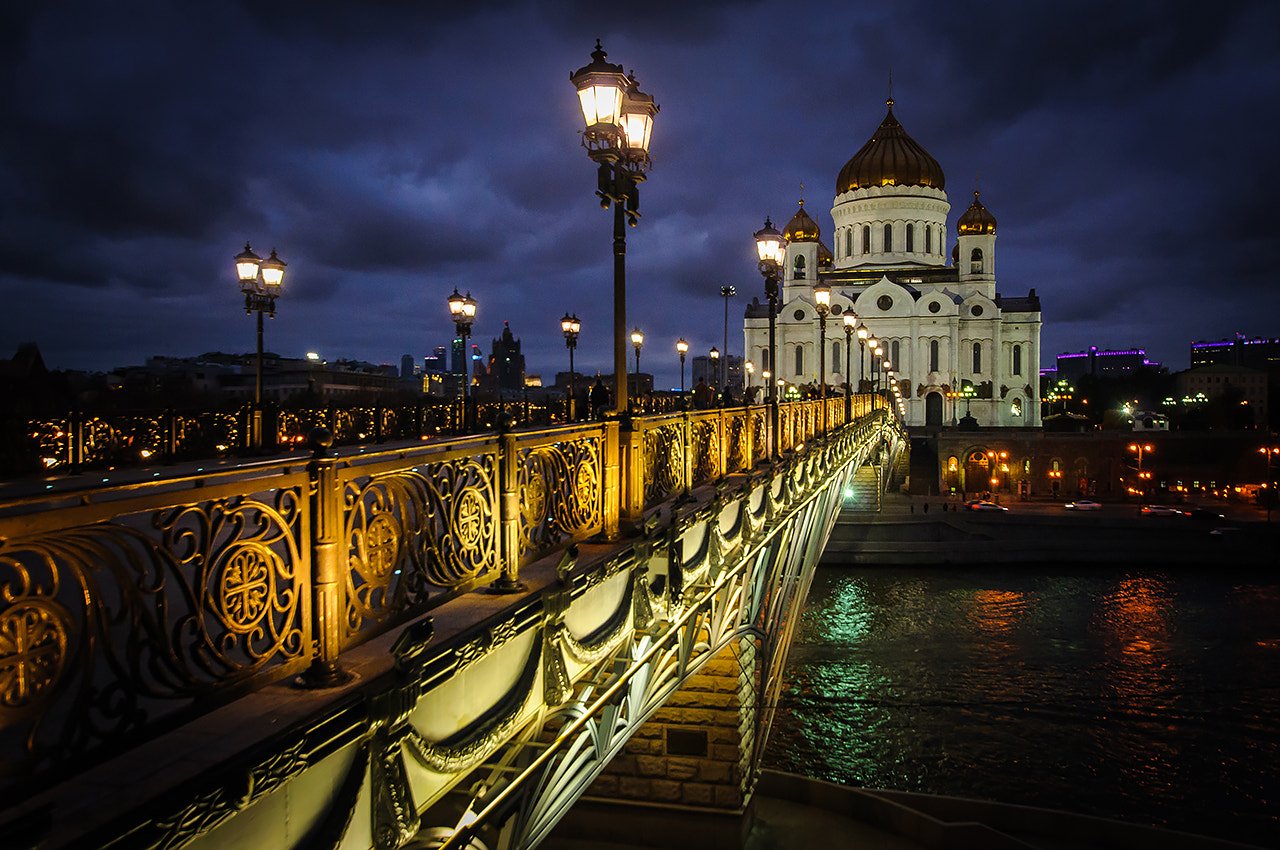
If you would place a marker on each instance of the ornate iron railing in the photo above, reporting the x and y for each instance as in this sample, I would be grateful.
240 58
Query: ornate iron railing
85 441
125 609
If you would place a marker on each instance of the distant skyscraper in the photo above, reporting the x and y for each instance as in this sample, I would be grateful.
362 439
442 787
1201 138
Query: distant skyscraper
506 363
406 366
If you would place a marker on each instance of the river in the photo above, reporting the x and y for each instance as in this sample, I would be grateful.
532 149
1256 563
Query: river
1145 695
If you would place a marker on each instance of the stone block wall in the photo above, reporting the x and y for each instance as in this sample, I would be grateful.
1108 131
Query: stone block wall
696 749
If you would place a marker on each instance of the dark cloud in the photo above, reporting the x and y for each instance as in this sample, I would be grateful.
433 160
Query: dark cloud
394 150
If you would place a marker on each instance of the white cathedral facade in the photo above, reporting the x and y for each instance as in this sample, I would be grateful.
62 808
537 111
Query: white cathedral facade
956 346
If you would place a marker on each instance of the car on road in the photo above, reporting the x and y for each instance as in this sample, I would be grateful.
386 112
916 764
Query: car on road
983 505
1083 505
1205 515
1159 510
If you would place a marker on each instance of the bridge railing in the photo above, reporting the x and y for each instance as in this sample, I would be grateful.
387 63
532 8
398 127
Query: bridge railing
127 609
78 441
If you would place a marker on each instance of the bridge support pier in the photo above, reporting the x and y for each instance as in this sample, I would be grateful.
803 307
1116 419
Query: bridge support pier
684 779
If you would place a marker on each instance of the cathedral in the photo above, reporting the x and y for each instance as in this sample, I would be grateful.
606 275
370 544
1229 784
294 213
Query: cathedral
960 351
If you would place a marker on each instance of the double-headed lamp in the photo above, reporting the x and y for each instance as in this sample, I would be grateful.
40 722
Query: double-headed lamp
770 244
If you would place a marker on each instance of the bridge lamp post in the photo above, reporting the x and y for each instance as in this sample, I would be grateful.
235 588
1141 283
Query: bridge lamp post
637 341
850 321
863 335
726 292
715 368
571 327
876 351
750 369
463 310
618 124
770 246
260 282
822 296
683 348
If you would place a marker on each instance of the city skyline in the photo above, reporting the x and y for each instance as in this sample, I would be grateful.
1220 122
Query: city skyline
391 154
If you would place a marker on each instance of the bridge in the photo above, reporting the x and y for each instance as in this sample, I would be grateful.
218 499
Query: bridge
443 643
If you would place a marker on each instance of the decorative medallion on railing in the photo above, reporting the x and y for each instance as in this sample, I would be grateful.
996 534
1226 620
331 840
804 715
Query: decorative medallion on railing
560 496
735 458
759 435
663 461
418 532
106 627
705 439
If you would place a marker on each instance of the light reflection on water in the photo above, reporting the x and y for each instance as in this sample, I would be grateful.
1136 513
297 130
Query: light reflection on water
1141 695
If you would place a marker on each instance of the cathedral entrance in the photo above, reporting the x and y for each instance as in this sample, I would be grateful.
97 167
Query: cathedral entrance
933 409
977 472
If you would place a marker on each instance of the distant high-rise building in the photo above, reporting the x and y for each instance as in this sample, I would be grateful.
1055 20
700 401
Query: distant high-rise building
406 366
1258 353
506 363
1103 363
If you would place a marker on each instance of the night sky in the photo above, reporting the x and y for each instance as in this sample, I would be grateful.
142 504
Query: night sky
392 151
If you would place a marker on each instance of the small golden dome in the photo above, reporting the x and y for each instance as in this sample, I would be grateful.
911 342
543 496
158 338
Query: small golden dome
890 158
801 228
976 219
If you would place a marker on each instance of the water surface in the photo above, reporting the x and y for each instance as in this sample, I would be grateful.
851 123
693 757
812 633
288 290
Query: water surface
1143 695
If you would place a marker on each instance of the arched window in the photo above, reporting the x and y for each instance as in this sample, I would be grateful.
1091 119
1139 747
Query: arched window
933 356
764 359
835 356
1017 360
975 261
977 358
866 239
893 356
928 239
911 238
1015 408
888 238
799 275
799 361
848 242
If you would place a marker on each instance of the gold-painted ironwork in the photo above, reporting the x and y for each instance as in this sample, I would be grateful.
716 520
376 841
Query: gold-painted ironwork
664 457
560 491
110 621
414 533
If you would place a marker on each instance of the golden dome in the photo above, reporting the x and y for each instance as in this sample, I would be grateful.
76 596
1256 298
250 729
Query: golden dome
801 228
890 158
976 219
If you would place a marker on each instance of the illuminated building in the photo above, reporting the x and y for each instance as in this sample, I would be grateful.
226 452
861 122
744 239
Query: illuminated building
943 326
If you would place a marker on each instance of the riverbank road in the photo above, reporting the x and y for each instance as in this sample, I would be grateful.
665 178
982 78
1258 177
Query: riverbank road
919 530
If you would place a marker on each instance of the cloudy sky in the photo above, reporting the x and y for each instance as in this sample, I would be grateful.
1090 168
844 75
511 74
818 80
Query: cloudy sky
392 151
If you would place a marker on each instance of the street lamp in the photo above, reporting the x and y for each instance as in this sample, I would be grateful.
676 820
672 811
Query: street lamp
570 326
619 122
1141 449
770 246
463 310
637 340
876 351
863 335
822 296
1269 486
683 348
260 282
726 292
715 368
850 322
746 392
